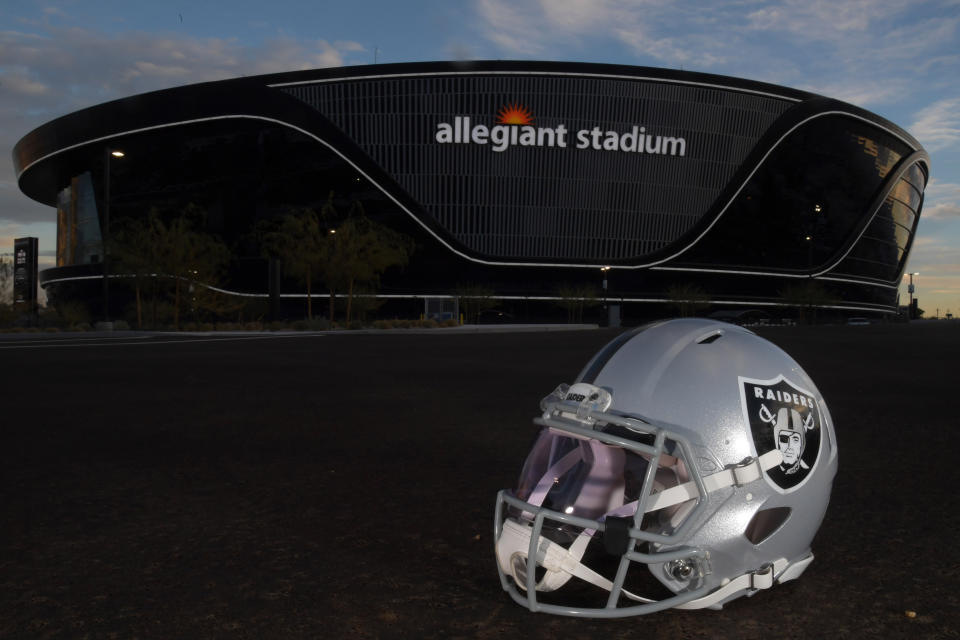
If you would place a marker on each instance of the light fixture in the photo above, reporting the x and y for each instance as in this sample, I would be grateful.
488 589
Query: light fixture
808 238
116 153
817 208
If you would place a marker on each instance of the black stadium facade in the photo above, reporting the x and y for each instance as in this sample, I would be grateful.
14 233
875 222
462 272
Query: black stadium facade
520 176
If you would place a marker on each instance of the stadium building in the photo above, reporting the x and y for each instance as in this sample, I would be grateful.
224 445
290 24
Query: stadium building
522 177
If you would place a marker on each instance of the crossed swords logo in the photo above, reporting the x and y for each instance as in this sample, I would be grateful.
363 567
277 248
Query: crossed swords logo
769 418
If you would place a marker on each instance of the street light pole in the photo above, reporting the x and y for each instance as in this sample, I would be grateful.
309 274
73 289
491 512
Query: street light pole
910 291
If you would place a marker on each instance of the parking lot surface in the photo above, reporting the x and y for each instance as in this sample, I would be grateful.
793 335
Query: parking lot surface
311 485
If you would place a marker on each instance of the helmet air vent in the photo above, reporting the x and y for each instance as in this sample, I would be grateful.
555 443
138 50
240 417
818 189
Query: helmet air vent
765 523
713 337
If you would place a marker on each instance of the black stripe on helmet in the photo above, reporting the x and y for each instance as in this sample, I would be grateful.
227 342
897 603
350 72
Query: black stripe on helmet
599 361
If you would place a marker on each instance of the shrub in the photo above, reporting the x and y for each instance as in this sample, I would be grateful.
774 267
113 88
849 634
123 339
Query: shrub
73 313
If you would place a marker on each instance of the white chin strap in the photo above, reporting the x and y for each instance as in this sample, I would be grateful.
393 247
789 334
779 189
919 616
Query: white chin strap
561 563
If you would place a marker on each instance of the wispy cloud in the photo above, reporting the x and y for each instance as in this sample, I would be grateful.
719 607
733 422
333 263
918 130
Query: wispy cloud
822 18
941 200
862 92
532 27
938 125
847 47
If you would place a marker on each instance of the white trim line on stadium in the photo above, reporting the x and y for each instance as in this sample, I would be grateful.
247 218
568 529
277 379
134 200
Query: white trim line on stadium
797 276
570 74
419 296
379 295
425 226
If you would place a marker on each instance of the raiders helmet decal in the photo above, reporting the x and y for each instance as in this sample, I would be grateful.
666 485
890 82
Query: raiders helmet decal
784 416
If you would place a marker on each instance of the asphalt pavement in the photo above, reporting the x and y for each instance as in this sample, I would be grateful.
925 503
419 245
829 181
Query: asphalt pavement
342 485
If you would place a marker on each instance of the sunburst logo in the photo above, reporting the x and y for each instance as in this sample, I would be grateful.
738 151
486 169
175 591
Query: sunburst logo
514 114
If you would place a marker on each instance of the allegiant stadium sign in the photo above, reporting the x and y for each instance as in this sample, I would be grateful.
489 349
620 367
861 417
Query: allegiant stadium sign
515 128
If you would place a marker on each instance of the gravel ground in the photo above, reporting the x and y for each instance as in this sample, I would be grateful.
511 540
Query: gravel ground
304 486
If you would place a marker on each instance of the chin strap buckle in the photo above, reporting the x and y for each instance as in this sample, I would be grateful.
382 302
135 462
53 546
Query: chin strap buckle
751 582
763 577
746 472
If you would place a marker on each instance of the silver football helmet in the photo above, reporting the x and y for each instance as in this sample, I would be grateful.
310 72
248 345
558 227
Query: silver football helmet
689 464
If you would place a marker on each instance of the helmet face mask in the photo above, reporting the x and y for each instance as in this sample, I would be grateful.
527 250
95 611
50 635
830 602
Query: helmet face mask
621 512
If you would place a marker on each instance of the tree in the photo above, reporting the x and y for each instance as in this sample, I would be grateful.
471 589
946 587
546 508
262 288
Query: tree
347 253
189 256
151 249
688 299
6 281
360 251
301 239
136 248
6 292
474 298
807 297
575 298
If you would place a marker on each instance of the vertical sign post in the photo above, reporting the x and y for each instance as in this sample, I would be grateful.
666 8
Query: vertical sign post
25 274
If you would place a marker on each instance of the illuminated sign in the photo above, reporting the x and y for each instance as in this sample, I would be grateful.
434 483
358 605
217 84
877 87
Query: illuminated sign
25 271
515 127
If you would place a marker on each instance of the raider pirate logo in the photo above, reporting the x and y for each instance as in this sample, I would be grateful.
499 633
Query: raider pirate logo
786 417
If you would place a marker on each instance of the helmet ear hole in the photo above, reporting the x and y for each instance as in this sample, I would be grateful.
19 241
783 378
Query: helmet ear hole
765 523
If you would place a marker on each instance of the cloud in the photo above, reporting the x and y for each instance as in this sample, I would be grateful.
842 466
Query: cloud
861 92
77 67
942 210
822 19
938 125
54 70
511 28
18 82
941 200
867 52
532 27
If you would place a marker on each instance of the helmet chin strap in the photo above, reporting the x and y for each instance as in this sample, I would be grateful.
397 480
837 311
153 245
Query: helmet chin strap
561 563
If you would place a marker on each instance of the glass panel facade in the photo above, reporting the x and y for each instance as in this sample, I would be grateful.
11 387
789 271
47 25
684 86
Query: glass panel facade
806 201
881 250
601 169
78 224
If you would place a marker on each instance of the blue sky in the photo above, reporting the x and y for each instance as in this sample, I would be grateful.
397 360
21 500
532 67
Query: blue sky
897 58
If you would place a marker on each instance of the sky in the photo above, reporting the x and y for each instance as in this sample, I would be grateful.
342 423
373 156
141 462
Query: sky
897 58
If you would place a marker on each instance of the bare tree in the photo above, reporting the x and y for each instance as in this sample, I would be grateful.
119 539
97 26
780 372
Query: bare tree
474 298
576 298
807 297
6 291
688 299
